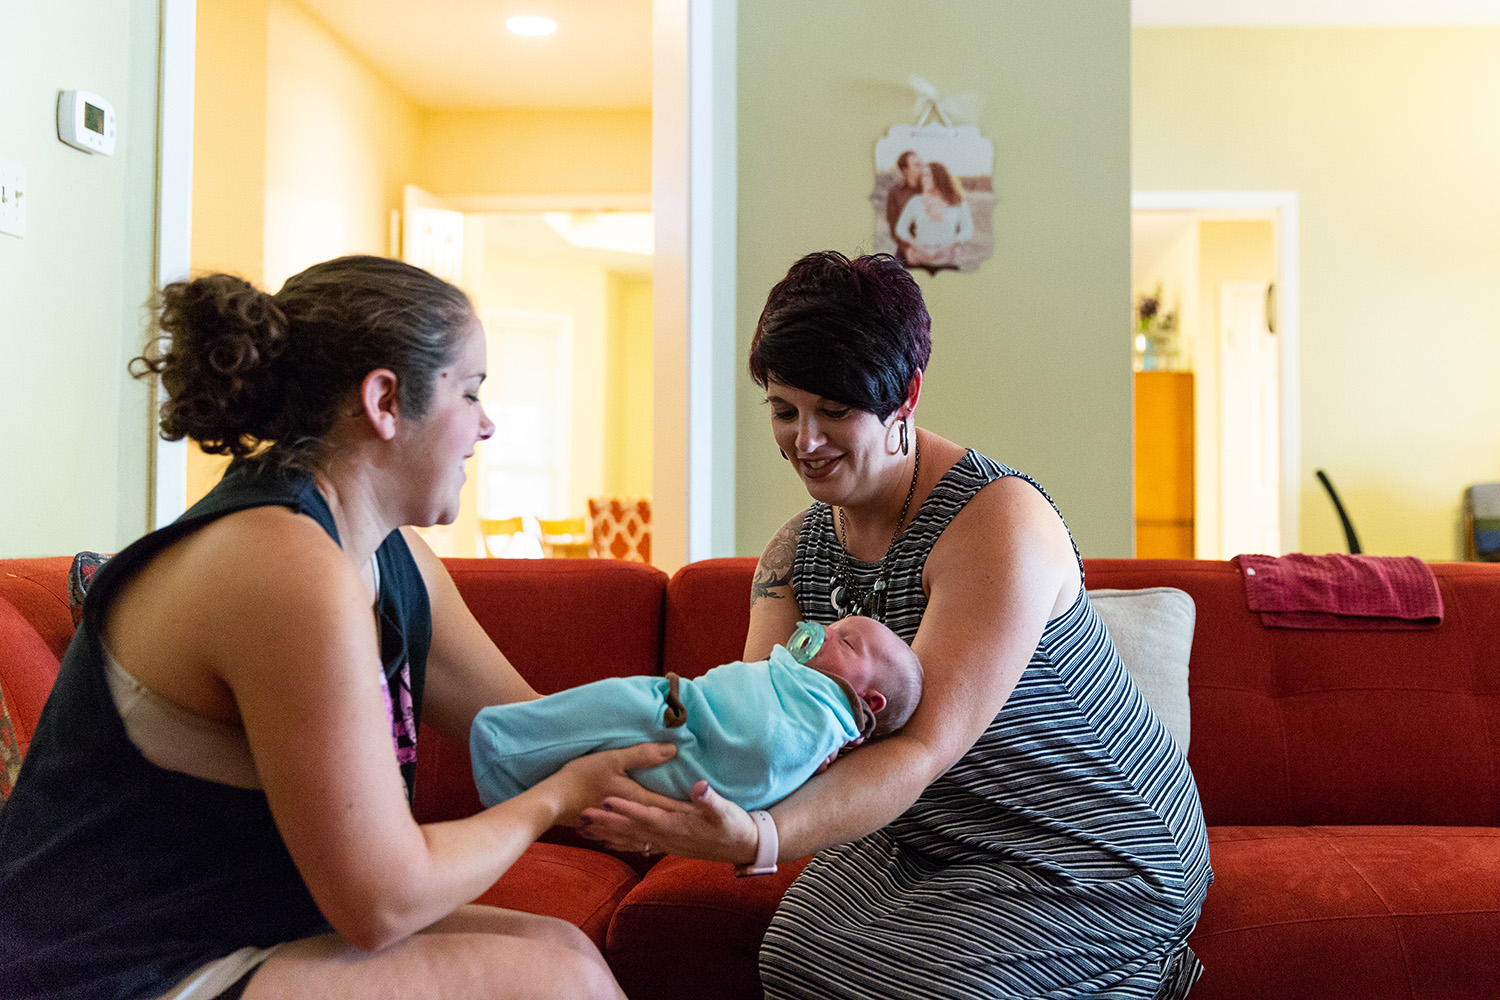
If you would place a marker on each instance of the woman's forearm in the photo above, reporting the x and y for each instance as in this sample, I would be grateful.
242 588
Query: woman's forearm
451 863
860 793
476 850
409 877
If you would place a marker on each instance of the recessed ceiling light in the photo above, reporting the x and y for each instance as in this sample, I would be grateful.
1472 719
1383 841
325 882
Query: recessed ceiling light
533 26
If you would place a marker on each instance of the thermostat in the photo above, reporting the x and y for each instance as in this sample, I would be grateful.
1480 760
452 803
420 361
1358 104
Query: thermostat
86 121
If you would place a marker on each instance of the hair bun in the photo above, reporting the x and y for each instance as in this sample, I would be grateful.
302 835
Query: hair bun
221 338
250 373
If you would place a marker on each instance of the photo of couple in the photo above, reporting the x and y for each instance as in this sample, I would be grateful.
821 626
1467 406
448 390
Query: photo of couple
933 198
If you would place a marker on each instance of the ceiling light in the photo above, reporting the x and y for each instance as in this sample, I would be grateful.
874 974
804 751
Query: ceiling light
532 26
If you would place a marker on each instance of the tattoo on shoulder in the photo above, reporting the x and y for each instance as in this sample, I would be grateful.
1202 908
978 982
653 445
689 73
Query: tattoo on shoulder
774 570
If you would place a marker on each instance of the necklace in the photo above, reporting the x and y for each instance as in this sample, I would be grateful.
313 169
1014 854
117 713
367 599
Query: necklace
869 601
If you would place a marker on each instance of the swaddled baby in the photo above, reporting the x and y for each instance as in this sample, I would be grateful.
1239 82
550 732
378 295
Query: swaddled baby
754 731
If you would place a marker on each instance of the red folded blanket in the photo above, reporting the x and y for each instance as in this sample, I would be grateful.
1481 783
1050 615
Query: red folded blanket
1342 592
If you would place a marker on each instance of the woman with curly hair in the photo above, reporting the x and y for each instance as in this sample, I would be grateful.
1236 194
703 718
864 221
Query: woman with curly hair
216 802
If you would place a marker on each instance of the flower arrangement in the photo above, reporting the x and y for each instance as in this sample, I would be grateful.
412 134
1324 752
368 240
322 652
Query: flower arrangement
1155 334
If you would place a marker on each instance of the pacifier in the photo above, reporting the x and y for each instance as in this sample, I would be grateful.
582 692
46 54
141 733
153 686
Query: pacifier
806 640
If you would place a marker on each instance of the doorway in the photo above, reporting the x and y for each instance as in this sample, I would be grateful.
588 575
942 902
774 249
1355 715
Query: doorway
565 297
692 200
1217 458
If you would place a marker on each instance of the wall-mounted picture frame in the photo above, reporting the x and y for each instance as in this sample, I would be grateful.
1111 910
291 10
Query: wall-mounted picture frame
934 197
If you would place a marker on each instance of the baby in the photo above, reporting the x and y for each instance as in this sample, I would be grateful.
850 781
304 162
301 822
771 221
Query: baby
753 731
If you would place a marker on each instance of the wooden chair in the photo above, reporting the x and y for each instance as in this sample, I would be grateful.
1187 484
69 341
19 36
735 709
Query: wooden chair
564 537
509 538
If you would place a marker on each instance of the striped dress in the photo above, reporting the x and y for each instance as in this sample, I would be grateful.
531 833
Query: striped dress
1063 856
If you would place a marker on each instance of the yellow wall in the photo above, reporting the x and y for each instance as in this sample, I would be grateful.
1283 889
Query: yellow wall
229 137
1389 138
535 151
300 152
74 427
229 162
340 145
1031 354
628 389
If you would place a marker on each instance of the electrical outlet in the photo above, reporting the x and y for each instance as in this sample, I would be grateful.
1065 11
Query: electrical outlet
12 198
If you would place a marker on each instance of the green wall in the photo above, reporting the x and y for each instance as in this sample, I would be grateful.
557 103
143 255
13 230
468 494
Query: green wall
1389 137
74 428
1031 354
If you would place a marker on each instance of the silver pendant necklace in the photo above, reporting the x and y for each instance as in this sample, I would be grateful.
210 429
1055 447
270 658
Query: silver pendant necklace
868 602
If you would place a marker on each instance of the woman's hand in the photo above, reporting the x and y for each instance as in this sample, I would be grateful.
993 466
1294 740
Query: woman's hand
587 781
707 826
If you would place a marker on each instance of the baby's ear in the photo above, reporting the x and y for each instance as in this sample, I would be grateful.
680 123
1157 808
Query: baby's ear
875 700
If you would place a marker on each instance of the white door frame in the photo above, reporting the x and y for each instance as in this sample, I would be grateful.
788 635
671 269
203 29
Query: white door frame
174 225
693 197
1281 206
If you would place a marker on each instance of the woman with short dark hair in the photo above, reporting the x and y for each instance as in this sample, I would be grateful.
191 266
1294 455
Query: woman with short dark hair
216 802
1034 830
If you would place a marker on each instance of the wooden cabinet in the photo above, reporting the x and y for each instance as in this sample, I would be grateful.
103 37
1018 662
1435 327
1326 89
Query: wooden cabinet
1164 465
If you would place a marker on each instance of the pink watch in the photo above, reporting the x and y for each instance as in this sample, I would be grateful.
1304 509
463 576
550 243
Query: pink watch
767 847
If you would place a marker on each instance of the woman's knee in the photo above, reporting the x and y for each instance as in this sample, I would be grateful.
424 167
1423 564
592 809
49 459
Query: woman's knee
592 980
514 923
502 955
577 969
562 933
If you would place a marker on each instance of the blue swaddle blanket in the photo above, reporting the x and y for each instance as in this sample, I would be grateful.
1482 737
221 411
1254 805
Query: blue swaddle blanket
754 730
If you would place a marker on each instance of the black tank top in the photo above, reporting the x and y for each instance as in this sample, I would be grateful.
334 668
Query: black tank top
118 877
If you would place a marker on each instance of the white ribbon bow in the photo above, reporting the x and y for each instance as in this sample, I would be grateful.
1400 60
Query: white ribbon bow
928 103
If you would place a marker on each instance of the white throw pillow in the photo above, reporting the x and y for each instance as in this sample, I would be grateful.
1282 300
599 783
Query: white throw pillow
1153 630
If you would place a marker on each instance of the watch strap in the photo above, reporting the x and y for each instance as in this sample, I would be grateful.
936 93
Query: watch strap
767 846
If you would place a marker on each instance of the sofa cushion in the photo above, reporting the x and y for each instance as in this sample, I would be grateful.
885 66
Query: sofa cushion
38 589
565 622
708 615
1351 911
580 886
561 623
1309 727
690 915
28 669
1153 630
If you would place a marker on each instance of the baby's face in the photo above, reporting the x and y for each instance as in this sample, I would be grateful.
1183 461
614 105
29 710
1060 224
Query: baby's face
856 649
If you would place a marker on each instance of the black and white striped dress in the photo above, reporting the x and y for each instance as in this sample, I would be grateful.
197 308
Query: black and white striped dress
1063 856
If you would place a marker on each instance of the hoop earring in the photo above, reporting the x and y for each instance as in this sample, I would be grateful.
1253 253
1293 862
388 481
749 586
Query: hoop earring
903 436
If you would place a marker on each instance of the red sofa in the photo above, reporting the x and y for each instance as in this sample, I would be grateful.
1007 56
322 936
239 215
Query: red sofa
1351 780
